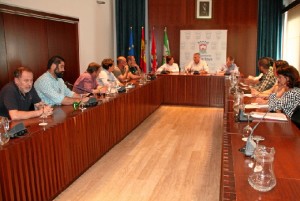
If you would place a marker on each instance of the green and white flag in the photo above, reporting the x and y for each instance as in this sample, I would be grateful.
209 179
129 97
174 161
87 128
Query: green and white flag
166 51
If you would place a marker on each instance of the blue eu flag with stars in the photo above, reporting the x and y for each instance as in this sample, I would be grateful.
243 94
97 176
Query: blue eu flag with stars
131 46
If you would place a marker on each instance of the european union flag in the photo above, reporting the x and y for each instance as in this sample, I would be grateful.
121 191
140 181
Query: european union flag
131 46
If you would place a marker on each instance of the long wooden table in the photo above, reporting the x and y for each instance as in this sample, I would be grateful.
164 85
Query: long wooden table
188 89
283 136
41 164
44 162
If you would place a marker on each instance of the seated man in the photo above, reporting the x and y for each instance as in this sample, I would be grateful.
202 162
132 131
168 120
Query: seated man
106 76
197 65
133 67
251 80
51 87
122 72
265 94
18 99
87 81
170 66
229 67
268 79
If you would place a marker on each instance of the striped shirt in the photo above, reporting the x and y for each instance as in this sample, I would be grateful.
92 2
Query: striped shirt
52 90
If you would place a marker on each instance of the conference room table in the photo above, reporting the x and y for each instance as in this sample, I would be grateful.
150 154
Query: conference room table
42 163
284 136
45 161
189 89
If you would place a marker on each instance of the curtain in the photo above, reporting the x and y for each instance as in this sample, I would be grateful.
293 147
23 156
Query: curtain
129 13
269 29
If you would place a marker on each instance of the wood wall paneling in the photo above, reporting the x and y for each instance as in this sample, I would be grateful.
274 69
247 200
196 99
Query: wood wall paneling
3 64
238 17
26 43
63 41
29 38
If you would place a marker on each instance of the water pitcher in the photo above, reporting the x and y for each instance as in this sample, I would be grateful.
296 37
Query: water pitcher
263 177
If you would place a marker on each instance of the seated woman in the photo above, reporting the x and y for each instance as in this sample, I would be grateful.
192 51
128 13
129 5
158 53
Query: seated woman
170 66
287 96
106 78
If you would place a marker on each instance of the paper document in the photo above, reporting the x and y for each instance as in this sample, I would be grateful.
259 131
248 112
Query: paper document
255 106
248 95
242 84
273 116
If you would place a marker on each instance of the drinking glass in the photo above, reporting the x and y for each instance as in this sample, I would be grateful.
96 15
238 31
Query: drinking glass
4 127
126 84
43 116
247 130
257 139
81 104
108 91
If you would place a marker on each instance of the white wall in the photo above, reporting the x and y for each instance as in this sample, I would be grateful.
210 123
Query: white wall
96 27
291 45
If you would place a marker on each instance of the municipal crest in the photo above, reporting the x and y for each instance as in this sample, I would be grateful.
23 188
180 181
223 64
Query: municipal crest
203 46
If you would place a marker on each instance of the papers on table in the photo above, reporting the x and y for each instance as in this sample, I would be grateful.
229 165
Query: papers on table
255 106
248 95
242 84
273 116
245 88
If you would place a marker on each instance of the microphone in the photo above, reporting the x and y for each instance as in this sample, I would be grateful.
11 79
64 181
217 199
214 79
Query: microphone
242 117
17 131
82 89
250 144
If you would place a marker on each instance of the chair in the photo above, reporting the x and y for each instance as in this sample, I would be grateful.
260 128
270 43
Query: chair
296 116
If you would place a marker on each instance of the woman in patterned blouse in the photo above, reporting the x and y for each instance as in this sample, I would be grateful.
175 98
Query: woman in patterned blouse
287 97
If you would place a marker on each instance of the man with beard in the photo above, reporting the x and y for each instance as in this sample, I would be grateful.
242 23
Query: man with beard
51 87
19 100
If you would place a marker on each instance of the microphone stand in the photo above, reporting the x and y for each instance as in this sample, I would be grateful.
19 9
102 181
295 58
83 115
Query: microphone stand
250 144
89 93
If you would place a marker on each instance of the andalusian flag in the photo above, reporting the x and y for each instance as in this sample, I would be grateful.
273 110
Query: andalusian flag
153 52
166 51
131 46
143 53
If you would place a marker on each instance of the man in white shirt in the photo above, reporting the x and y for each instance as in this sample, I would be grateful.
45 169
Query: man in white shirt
197 65
170 66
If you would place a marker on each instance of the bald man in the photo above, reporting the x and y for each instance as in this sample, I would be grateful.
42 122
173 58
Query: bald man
121 71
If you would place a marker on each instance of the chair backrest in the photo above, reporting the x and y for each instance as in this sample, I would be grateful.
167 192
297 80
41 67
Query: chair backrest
296 116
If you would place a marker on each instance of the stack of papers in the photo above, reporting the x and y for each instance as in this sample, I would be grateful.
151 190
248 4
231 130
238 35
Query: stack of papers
255 106
273 116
